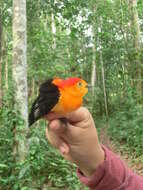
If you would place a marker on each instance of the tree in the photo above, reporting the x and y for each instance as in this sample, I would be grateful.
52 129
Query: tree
137 69
0 59
19 72
93 72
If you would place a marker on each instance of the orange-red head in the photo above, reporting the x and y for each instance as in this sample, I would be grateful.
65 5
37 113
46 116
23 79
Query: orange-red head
72 91
74 86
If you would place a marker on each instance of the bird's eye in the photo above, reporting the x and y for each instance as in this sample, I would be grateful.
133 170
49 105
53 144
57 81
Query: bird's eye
79 84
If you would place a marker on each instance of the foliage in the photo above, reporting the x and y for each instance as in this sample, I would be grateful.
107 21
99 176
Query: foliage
126 126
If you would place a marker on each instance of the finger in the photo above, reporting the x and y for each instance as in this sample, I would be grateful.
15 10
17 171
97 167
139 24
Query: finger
57 142
57 126
79 115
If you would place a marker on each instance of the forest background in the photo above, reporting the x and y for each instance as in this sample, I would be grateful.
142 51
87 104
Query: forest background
100 41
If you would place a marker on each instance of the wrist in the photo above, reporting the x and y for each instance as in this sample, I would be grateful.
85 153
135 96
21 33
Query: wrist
93 161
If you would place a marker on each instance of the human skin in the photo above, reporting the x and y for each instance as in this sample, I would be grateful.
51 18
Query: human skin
77 139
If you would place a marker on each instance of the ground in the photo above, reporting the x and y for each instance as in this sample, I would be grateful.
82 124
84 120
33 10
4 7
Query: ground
136 164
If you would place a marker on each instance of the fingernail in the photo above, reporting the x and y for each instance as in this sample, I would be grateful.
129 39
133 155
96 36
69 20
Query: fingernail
62 149
54 125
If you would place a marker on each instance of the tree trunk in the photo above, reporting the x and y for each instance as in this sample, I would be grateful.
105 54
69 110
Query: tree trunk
53 30
103 82
6 73
33 87
137 69
19 72
102 72
0 60
5 57
93 73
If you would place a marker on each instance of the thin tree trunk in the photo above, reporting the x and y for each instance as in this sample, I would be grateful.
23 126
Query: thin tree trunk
103 75
137 69
19 72
5 55
0 60
103 82
93 74
53 30
33 87
6 73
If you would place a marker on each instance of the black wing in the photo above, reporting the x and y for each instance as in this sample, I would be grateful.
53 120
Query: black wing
47 99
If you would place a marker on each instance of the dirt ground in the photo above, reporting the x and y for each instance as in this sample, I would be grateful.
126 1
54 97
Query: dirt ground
130 160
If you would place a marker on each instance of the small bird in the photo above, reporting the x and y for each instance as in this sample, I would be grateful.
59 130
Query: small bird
59 96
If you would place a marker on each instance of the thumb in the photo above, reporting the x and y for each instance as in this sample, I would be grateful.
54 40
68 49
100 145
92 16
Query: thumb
78 115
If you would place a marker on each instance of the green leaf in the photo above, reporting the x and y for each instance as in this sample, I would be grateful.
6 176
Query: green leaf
3 166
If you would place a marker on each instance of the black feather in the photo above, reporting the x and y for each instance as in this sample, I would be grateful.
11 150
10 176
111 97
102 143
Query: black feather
47 99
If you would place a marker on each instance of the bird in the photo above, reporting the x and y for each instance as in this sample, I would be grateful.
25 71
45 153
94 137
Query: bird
58 95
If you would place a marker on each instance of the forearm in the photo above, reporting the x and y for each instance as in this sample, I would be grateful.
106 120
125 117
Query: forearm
112 174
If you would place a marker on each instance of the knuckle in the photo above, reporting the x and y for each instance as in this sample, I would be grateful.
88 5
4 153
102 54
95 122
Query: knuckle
86 113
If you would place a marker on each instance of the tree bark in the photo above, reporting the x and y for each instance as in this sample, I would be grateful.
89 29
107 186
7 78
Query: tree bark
6 73
137 69
5 58
103 74
19 72
0 60
103 82
53 27
93 73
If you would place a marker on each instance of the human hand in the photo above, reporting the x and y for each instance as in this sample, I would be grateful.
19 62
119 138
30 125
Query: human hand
77 140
